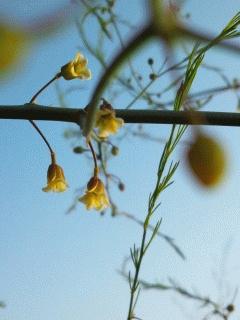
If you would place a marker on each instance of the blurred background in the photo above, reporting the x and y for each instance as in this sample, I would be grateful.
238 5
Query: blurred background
55 265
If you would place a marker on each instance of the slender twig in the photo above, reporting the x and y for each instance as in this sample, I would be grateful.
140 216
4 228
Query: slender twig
207 92
223 311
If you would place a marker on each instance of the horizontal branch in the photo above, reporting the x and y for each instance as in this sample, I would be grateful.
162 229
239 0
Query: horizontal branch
38 112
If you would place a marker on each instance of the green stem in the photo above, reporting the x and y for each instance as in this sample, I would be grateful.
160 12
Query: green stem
135 280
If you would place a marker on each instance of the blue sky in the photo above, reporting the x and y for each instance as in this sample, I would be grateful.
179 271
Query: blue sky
58 266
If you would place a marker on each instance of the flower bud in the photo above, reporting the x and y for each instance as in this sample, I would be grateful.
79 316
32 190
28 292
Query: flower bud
121 186
115 151
79 149
150 61
230 308
152 76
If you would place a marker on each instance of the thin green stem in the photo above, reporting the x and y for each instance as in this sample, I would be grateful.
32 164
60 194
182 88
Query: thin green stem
139 95
203 93
134 284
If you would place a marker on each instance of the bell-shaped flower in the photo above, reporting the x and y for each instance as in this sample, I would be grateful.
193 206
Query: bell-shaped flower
207 160
95 196
77 68
107 123
55 179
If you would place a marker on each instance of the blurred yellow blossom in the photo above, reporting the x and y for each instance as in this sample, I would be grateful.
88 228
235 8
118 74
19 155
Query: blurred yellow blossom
12 44
95 196
76 68
207 160
55 179
165 20
107 123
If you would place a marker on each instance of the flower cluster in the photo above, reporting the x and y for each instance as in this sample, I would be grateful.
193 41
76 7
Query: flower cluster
107 123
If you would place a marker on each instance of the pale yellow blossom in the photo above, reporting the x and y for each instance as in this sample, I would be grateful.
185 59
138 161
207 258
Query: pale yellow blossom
55 179
77 68
95 196
107 123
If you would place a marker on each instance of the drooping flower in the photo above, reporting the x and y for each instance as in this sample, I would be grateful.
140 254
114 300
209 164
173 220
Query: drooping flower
77 68
107 123
55 179
207 160
95 196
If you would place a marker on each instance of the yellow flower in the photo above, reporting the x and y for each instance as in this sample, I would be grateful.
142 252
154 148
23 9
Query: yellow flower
55 179
107 123
95 196
165 19
207 160
76 68
12 44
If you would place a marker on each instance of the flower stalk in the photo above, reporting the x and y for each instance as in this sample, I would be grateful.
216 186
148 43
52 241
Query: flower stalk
57 76
96 170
